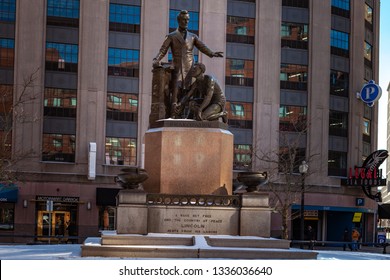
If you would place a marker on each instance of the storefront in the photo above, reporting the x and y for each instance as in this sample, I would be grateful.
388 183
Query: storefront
8 198
329 222
56 218
106 203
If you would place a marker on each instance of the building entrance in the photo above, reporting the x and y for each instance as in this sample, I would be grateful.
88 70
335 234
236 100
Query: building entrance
57 223
53 224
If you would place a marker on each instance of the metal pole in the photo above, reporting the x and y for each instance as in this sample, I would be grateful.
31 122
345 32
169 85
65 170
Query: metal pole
49 226
302 210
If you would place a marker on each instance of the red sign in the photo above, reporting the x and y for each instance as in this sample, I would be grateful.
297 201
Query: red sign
360 176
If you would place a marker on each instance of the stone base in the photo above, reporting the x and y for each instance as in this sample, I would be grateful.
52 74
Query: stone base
131 212
187 246
182 157
142 213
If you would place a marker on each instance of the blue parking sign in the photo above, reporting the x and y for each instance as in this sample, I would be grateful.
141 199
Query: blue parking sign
370 93
381 237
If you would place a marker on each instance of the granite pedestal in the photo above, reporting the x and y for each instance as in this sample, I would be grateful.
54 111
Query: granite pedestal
188 157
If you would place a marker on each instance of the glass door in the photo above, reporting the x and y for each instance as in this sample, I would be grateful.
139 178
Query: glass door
52 224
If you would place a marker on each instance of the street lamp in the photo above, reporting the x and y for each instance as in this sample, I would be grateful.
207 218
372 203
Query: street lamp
303 170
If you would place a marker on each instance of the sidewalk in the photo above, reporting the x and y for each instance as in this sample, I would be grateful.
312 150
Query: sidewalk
365 249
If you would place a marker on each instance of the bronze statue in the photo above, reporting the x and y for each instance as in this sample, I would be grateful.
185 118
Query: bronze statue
182 43
205 96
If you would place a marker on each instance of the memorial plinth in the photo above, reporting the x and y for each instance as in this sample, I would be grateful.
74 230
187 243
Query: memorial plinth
188 157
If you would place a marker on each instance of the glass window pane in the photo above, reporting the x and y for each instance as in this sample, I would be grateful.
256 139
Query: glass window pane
121 151
59 147
63 8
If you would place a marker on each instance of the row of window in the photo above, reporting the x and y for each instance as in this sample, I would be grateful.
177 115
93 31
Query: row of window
240 72
64 57
62 148
7 10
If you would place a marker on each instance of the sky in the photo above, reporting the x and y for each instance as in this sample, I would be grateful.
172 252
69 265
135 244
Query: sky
384 71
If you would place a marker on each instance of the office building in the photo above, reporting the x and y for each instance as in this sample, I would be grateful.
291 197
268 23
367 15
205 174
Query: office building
79 72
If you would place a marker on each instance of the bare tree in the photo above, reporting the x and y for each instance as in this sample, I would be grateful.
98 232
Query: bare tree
12 111
284 180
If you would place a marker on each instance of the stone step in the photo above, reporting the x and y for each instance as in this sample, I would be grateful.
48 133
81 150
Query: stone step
181 247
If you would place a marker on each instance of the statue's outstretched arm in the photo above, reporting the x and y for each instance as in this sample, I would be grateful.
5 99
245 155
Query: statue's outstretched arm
163 50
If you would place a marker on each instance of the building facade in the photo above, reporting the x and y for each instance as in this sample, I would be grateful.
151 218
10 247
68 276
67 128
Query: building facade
79 73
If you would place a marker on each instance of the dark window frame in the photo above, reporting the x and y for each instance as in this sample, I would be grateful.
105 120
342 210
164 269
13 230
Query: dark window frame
124 23
338 86
64 57
63 13
54 150
239 38
8 11
119 56
242 157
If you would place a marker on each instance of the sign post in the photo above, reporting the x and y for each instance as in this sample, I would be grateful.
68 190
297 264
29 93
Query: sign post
381 237
49 208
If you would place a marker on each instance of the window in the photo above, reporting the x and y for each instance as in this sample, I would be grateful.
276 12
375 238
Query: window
7 47
240 30
368 14
290 158
338 123
337 163
339 83
59 147
6 142
107 218
339 43
125 18
342 4
7 10
242 157
6 99
366 127
60 102
240 114
193 24
339 39
293 76
7 215
251 1
237 110
294 35
292 118
296 3
123 62
63 12
61 57
367 51
341 8
239 72
122 107
121 151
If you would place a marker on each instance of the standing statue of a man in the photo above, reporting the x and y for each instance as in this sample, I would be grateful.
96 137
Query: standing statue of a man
182 43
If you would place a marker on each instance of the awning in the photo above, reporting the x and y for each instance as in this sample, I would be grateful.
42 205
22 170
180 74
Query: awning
333 208
384 211
8 193
106 196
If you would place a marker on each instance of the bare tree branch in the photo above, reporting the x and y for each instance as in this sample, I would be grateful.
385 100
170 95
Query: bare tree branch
12 111
284 183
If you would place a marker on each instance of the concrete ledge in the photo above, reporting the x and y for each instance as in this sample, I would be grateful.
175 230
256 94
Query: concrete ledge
126 240
137 252
248 242
265 254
